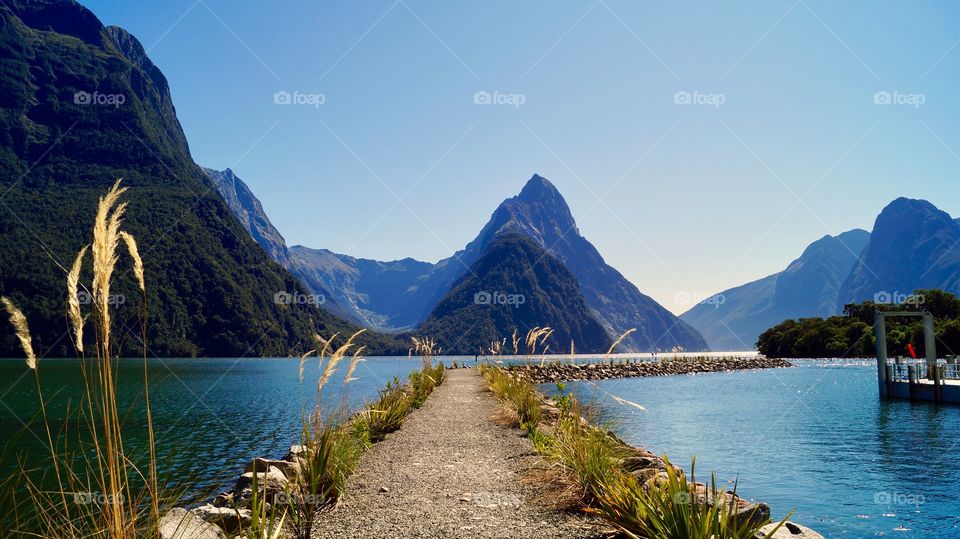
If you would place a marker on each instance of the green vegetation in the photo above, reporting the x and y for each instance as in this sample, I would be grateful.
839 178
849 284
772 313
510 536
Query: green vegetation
127 498
212 287
598 467
851 335
675 508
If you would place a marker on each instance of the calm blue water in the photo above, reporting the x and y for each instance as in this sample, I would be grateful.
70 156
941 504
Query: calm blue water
813 437
211 416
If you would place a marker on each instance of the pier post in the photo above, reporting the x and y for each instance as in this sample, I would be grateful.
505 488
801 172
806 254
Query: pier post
930 344
880 331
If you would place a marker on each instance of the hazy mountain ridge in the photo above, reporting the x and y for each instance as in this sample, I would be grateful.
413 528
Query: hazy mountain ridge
399 295
809 286
914 245
384 295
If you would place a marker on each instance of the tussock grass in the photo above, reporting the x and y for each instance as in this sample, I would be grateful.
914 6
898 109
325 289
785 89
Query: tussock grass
128 499
519 395
589 470
675 508
387 413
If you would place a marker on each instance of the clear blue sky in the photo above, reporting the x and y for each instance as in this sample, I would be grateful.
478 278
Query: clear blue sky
687 199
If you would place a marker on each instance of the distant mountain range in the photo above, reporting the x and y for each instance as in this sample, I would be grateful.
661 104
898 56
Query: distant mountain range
809 286
400 295
913 246
81 106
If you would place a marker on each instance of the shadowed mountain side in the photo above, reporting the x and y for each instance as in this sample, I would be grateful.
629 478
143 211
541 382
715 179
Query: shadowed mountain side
733 319
514 285
913 246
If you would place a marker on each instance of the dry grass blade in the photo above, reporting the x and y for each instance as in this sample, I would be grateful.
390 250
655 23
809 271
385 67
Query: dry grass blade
135 255
73 299
303 358
335 358
19 322
617 342
357 358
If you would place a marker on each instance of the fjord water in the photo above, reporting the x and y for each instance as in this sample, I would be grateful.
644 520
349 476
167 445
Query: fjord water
814 437
211 416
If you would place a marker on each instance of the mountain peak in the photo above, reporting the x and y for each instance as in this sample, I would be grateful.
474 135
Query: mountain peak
913 245
537 189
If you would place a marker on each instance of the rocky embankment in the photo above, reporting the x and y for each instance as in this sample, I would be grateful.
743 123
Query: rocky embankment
230 512
602 371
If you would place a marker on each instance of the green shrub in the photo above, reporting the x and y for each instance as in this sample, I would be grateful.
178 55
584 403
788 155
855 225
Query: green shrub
674 508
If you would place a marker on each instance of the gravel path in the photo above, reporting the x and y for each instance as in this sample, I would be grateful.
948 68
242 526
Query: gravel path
449 472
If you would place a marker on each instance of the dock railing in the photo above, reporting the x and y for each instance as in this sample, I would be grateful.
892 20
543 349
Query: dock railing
901 369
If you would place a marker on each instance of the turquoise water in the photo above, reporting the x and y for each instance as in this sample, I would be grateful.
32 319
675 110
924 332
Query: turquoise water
813 437
211 416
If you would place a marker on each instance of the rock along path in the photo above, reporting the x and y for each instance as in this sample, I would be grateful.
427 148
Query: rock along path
450 471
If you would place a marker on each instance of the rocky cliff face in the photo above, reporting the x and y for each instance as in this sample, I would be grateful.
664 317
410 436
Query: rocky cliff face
248 210
913 245
809 286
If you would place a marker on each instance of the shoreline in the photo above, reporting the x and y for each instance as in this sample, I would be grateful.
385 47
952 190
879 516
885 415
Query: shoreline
648 469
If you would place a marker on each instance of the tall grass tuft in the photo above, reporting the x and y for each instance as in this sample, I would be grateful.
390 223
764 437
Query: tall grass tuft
129 499
675 508
331 450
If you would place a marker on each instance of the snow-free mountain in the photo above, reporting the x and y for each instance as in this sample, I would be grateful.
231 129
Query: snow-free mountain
809 286
515 286
913 246
399 295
